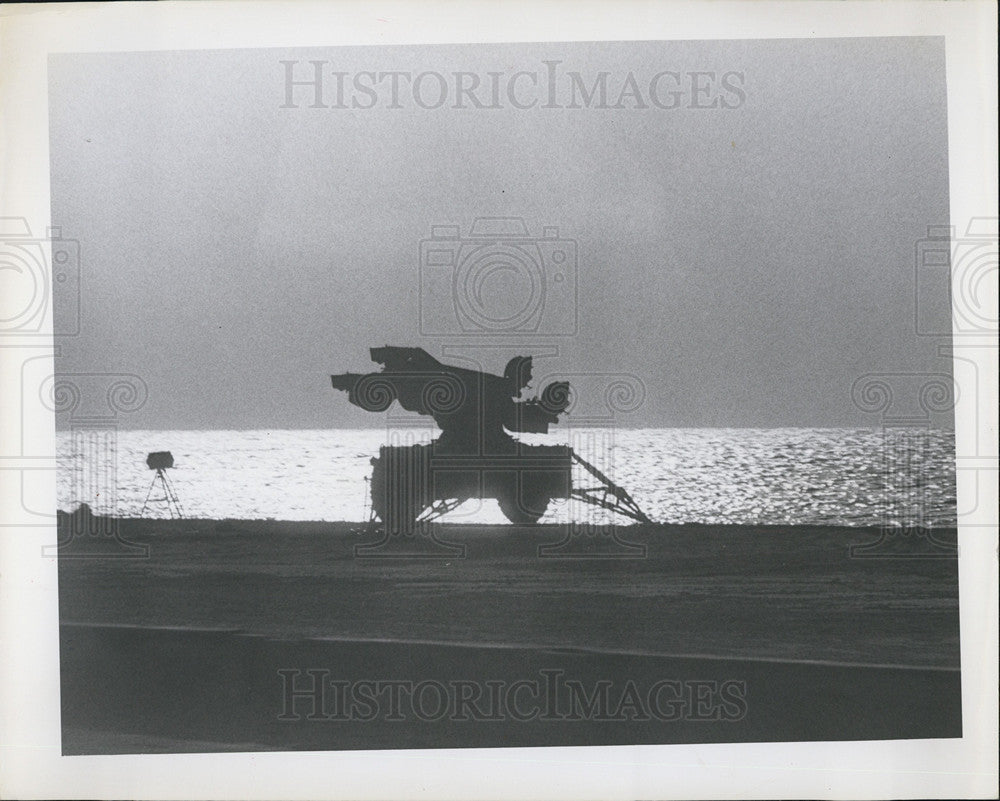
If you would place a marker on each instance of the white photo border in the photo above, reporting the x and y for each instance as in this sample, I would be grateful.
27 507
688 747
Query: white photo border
31 765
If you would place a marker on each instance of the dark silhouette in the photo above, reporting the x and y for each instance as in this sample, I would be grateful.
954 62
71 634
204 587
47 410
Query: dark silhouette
161 461
474 410
475 456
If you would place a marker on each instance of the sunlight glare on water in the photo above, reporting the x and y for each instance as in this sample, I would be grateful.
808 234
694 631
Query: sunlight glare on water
795 476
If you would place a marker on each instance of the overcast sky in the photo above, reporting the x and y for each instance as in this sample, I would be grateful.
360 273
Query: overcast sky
747 262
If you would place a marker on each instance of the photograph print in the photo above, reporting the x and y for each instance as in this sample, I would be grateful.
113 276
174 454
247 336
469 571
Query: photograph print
490 395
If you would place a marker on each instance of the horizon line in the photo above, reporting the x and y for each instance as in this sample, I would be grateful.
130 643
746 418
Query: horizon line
951 429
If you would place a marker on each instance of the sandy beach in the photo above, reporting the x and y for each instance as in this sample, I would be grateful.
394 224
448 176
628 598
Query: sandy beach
244 635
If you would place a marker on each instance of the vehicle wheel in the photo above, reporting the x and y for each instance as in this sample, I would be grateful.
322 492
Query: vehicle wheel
523 513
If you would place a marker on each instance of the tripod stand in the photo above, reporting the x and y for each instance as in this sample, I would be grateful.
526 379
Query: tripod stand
169 495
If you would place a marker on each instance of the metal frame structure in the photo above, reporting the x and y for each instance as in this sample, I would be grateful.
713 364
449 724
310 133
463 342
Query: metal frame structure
169 495
605 495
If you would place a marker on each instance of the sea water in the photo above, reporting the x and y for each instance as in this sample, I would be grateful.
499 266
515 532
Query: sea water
787 476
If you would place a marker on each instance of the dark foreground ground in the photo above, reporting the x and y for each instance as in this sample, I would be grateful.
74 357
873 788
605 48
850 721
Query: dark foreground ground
239 635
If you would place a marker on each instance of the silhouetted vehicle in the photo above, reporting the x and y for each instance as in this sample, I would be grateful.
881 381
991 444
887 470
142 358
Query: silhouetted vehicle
475 456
